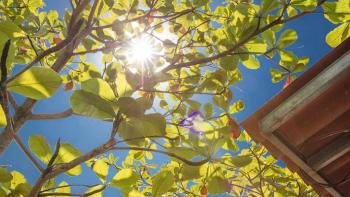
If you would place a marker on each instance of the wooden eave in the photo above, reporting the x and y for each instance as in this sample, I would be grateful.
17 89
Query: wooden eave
307 124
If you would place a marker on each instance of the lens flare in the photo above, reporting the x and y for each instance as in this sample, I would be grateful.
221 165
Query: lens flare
141 50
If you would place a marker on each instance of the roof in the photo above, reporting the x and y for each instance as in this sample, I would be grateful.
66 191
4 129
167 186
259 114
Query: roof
307 124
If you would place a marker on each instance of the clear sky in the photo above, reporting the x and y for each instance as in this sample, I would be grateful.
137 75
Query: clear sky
84 133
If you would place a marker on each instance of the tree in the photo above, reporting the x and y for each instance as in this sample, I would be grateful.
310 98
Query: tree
190 48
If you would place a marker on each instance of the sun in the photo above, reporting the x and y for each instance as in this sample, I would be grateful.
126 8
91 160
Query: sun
141 50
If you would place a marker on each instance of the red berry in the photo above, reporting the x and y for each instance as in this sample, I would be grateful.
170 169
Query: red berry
149 20
23 49
57 40
69 86
204 191
234 127
288 82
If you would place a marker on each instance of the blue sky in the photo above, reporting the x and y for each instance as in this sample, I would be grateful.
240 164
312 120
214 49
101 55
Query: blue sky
255 90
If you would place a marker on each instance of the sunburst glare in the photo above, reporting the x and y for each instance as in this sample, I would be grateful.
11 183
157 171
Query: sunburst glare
141 50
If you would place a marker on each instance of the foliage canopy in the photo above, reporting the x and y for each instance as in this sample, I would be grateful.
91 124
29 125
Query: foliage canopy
196 48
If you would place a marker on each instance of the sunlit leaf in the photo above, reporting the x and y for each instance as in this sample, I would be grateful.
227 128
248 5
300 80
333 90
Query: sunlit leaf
287 38
218 185
338 35
91 105
100 167
162 182
66 154
3 121
36 83
40 147
4 175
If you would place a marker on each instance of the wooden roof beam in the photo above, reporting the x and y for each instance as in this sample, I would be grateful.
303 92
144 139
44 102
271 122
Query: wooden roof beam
305 95
330 153
277 142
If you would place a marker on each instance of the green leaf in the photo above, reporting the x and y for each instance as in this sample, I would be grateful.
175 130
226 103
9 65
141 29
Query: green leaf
304 5
162 182
277 75
220 102
337 12
123 86
240 161
218 185
17 178
147 125
236 107
208 109
11 29
288 59
4 175
229 62
190 172
40 147
268 6
36 83
256 46
252 62
101 169
52 16
185 152
338 35
23 188
125 178
98 87
269 36
66 154
3 121
129 106
287 38
91 105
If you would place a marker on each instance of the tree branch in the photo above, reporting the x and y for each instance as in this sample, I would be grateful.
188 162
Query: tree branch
239 44
60 115
189 162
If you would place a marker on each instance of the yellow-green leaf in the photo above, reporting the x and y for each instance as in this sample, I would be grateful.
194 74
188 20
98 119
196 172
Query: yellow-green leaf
101 169
277 75
304 5
98 87
190 172
124 178
11 29
4 175
252 62
17 178
123 86
338 35
147 125
91 105
288 37
52 16
240 161
40 147
162 182
218 185
66 154
3 121
236 107
36 83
